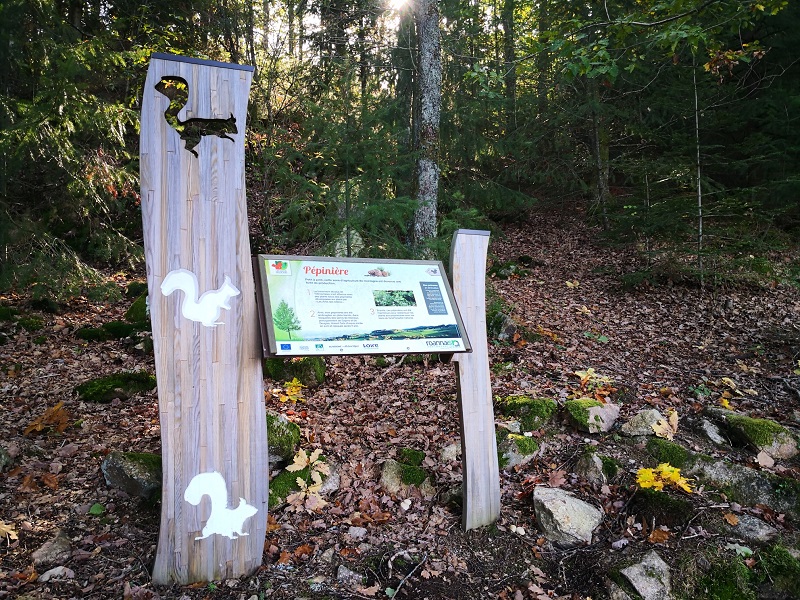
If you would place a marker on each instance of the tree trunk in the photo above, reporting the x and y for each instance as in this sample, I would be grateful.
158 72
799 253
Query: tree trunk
429 91
509 63
600 143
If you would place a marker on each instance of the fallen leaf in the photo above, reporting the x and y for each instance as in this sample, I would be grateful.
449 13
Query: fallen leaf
56 418
7 530
369 591
557 478
304 552
731 519
50 481
285 558
667 428
658 536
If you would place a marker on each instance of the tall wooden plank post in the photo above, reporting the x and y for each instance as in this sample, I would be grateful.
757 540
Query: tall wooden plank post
481 471
204 320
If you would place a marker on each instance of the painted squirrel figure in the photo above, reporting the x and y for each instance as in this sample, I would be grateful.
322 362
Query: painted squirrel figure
192 130
204 309
222 520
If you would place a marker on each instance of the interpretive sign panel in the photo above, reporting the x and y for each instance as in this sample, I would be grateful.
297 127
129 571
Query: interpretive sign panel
313 305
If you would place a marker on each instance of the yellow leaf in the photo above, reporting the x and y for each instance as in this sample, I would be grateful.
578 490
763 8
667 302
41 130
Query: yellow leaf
573 284
725 404
663 430
729 382
300 462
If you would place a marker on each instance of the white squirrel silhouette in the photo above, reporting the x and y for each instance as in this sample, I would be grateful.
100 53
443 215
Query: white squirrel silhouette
206 308
222 520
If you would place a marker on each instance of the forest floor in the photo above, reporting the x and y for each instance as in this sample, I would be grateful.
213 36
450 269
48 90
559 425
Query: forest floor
667 347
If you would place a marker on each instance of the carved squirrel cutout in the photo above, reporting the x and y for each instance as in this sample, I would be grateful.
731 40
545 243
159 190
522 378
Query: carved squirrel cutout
222 520
203 309
193 130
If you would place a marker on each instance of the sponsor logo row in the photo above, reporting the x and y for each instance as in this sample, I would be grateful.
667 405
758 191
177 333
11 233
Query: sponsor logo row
371 346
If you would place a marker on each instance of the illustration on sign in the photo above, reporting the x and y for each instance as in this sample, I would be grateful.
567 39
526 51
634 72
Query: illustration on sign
319 305
222 520
205 309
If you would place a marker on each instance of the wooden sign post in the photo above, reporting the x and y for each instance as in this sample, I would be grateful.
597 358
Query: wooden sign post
205 324
481 471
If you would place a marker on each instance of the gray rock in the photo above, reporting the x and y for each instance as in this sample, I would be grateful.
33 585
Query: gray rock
753 530
56 550
138 474
56 573
564 519
332 482
748 486
349 578
642 423
650 578
615 592
590 467
712 432
450 453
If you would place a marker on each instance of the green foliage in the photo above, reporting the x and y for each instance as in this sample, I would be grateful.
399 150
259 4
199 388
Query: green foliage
778 566
7 313
285 318
120 385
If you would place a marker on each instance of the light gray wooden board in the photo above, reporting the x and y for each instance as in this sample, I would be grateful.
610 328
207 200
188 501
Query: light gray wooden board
478 443
210 384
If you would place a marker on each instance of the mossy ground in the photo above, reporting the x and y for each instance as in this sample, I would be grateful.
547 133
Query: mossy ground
411 471
778 566
105 389
525 445
532 413
579 409
284 484
610 466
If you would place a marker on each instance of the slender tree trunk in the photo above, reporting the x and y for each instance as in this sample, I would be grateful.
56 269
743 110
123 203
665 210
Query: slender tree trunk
698 173
600 143
509 63
429 86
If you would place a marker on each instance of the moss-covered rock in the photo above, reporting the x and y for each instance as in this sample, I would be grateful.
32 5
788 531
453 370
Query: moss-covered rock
611 466
665 508
309 370
137 313
283 436
93 334
780 571
120 329
764 434
664 451
283 485
135 289
121 385
532 413
410 456
514 449
592 415
137 473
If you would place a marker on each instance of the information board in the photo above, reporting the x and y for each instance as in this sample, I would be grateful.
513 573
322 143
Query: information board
311 305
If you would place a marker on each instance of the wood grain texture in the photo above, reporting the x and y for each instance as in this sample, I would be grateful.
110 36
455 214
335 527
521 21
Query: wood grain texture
478 442
210 384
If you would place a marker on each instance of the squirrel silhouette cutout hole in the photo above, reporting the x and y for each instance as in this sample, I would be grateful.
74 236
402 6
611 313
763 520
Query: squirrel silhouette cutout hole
192 131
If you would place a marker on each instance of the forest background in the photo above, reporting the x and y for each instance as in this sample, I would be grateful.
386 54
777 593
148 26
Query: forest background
380 127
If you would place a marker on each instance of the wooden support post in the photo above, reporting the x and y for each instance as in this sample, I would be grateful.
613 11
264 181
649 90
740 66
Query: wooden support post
204 318
478 442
